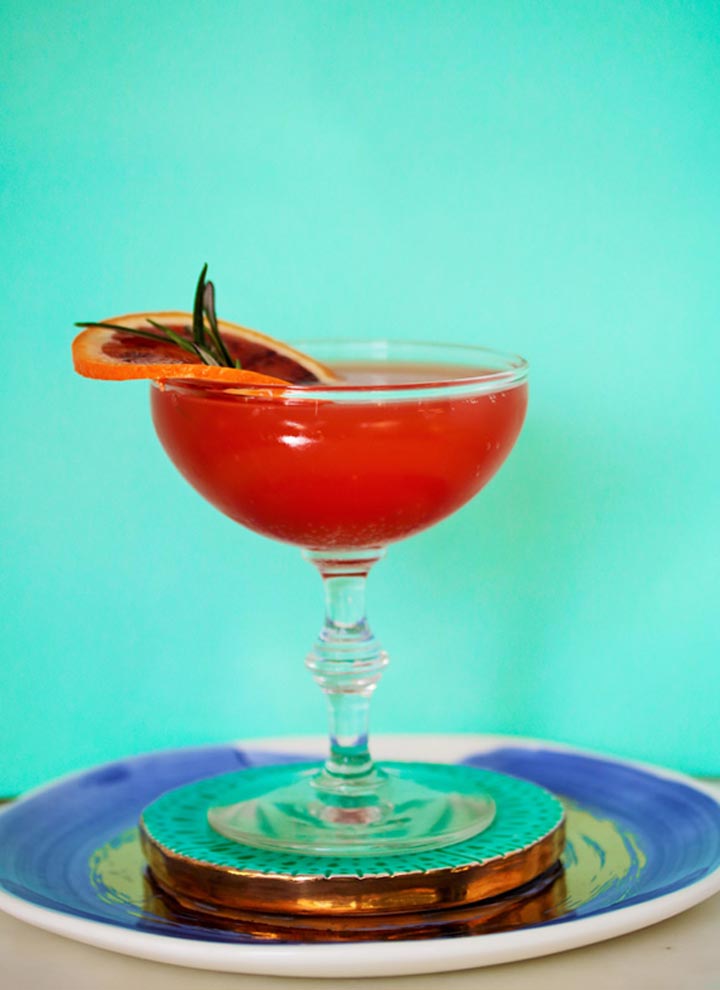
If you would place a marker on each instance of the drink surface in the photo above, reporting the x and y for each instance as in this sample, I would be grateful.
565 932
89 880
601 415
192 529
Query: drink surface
342 474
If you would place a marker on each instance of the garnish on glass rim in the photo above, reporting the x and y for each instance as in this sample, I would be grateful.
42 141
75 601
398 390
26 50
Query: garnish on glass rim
174 345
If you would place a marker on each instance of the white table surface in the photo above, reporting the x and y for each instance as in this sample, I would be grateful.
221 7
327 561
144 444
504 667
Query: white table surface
682 953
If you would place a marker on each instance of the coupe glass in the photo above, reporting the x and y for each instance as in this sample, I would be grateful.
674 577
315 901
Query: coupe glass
413 432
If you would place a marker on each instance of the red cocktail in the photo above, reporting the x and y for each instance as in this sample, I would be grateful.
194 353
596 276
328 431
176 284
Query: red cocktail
393 450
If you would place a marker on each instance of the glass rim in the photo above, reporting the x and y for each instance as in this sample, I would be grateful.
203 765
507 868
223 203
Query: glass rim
514 372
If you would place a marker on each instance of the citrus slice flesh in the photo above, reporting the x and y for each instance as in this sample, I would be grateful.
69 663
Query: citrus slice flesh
99 352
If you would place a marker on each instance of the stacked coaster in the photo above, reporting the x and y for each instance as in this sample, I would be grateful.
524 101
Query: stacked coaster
512 862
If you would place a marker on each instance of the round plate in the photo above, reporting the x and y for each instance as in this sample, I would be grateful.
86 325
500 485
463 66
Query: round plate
643 844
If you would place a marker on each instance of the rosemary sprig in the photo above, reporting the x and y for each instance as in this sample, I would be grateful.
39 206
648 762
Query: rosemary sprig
209 308
206 342
198 323
176 338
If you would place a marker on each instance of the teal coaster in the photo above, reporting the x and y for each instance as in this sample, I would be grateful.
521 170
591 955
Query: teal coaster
192 861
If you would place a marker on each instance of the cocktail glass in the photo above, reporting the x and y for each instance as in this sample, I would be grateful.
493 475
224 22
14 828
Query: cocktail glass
413 432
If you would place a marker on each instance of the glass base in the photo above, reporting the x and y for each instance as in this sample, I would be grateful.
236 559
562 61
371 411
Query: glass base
396 808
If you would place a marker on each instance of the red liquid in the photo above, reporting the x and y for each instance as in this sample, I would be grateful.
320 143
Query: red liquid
340 475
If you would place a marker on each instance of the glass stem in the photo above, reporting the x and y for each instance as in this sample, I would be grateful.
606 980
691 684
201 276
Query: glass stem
347 662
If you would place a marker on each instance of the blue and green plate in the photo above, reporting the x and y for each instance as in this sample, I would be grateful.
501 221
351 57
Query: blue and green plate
643 844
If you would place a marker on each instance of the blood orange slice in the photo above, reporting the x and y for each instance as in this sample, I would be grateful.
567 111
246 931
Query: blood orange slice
99 352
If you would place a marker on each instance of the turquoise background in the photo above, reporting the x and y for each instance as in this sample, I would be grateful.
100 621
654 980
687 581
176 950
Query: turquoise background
542 177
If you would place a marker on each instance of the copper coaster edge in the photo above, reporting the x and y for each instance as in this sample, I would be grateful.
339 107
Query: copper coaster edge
213 888
534 903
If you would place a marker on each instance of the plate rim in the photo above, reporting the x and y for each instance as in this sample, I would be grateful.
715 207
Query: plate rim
382 958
